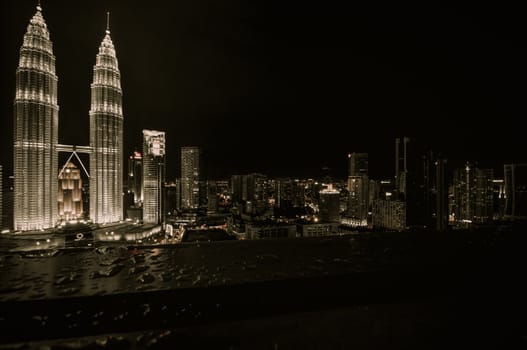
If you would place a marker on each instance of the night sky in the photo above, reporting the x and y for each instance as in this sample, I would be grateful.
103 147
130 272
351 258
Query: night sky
287 89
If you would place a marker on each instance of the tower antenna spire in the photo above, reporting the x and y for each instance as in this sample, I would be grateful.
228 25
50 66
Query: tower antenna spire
107 22
39 7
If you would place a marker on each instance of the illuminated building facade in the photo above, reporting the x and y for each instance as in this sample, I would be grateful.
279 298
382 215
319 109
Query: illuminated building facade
389 214
135 177
106 137
190 178
35 130
70 193
153 176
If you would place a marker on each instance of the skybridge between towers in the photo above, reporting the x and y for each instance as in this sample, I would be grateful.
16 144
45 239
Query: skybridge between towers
74 151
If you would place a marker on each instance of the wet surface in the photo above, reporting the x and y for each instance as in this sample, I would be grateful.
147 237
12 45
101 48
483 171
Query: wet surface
116 269
115 289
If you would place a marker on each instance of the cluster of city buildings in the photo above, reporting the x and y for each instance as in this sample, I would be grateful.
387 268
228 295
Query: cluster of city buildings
423 193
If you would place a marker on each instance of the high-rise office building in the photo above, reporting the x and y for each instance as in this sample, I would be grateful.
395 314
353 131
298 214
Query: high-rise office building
329 205
236 189
441 195
463 187
358 199
358 187
106 136
358 164
190 157
135 177
483 195
414 167
515 179
35 130
172 197
153 176
284 193
473 195
389 214
69 196
212 197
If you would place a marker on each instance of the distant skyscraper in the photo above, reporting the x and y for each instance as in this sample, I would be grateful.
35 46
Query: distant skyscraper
358 164
70 193
483 195
329 205
190 177
358 187
284 193
515 178
463 199
236 188
135 176
441 195
173 197
358 199
106 136
389 214
153 176
35 130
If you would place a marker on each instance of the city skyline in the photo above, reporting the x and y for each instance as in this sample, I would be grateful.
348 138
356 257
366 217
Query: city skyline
251 84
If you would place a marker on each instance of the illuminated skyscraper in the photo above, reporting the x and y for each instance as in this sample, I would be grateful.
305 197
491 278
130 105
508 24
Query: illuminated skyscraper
70 193
153 176
189 177
106 136
35 130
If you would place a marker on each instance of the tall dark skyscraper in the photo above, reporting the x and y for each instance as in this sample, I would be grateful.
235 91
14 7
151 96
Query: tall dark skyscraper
515 176
153 176
135 177
106 136
36 118
329 205
189 177
358 186
358 164
441 195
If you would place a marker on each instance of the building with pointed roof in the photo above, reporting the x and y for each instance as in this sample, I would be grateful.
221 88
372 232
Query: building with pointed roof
106 136
35 130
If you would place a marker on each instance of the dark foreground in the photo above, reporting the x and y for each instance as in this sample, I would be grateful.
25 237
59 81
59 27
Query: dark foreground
392 290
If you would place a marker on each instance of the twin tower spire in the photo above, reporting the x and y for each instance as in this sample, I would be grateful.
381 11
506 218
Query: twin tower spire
36 132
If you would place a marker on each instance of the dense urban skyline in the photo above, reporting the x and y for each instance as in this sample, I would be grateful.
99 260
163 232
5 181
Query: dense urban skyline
288 89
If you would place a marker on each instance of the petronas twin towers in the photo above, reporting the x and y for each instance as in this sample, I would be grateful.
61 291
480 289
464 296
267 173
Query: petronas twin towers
36 133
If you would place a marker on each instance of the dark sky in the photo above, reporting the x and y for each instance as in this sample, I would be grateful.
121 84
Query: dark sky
286 89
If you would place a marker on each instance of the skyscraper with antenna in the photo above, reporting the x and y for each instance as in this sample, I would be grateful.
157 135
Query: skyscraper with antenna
35 134
106 135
